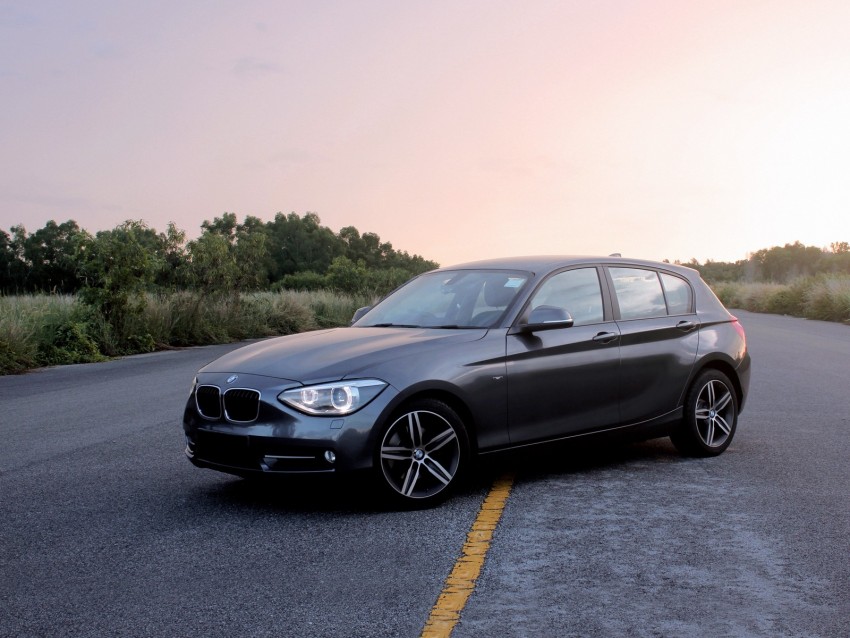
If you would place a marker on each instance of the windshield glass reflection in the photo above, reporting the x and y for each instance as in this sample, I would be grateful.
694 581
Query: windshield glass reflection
448 299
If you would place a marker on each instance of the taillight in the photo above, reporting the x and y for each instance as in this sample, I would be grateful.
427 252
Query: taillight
739 329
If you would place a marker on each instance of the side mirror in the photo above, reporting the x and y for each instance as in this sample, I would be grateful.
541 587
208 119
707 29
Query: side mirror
359 313
547 318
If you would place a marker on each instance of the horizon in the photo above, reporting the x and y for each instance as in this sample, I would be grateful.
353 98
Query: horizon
456 132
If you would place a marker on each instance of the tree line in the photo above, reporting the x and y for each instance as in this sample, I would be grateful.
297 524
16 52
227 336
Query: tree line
291 251
779 264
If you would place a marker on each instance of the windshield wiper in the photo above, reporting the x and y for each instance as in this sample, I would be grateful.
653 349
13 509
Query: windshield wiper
448 326
454 326
393 325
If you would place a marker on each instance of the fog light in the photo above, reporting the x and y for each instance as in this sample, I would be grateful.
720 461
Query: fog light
330 457
190 448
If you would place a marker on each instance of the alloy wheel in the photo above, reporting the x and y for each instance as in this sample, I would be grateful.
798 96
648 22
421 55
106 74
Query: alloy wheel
715 413
420 454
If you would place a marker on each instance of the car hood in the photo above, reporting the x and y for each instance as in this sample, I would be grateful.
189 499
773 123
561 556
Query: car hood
327 355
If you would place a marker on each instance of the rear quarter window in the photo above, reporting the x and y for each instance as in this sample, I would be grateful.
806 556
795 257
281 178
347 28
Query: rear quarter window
678 293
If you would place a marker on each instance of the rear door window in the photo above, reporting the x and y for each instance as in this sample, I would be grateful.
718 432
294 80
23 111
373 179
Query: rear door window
639 293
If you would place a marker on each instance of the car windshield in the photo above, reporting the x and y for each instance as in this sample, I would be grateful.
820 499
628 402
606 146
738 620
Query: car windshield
448 299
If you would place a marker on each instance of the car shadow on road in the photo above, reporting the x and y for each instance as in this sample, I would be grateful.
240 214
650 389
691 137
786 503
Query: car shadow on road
300 494
538 462
357 493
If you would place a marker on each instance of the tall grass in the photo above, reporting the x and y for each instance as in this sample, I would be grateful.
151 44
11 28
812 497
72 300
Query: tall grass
829 299
39 330
19 321
825 297
44 330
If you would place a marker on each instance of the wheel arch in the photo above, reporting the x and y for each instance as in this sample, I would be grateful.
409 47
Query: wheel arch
729 371
452 400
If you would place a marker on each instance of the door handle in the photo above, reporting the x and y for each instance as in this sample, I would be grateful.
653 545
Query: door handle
686 326
606 337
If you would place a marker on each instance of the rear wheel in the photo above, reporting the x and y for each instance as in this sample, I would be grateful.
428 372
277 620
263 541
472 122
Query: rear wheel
422 453
711 416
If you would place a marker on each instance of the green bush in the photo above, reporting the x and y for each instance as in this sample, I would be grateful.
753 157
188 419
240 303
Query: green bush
828 299
825 297
68 342
788 300
18 344
38 330
727 293
67 333
754 297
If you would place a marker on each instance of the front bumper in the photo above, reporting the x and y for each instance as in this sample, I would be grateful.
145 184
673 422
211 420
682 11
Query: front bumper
281 440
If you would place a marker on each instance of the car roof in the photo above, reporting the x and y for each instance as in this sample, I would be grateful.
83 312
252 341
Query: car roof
545 263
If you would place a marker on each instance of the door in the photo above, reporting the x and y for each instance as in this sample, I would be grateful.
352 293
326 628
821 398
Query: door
564 381
658 344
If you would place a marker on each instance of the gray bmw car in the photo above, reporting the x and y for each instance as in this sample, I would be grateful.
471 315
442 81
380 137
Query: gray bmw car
475 359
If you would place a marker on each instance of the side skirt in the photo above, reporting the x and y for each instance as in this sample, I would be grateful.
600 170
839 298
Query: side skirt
652 429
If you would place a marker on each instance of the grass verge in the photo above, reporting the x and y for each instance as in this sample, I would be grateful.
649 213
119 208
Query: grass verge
42 330
826 298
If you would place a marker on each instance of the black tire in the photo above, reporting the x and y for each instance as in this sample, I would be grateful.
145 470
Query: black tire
711 416
421 454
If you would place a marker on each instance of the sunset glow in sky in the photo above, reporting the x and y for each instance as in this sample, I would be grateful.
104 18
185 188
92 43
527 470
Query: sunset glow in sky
454 129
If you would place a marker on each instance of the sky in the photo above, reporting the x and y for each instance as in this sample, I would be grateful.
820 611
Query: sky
454 129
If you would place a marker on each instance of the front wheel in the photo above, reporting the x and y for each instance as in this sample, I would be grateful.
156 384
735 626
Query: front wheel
711 416
422 453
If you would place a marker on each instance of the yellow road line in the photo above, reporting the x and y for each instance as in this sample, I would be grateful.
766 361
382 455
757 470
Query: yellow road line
460 583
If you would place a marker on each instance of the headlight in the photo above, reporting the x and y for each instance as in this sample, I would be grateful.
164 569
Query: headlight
333 399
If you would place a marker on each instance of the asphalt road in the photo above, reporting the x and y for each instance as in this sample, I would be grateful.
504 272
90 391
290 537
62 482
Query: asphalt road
106 530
